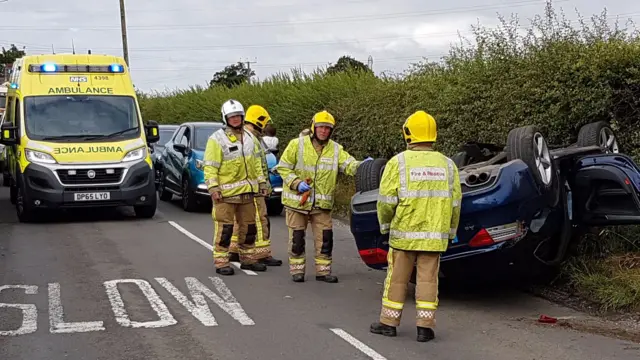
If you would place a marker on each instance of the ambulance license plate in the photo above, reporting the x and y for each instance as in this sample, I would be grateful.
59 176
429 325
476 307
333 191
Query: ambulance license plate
92 196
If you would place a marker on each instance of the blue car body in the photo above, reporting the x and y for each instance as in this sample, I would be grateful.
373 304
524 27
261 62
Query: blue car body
509 216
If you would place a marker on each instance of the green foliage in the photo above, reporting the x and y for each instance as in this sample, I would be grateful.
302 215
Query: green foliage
232 75
348 64
8 56
556 76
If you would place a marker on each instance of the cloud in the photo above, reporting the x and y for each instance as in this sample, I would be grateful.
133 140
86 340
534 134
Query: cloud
177 44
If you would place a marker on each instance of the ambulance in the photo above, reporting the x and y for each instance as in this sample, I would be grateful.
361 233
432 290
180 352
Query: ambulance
75 137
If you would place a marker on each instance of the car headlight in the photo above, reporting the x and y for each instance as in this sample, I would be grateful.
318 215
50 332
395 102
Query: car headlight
199 164
136 154
39 157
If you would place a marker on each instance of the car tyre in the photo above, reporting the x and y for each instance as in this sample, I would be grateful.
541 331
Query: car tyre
527 144
147 211
598 134
162 189
275 207
26 212
189 201
6 180
369 174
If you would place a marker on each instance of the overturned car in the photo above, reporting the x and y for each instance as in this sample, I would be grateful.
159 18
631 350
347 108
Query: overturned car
523 205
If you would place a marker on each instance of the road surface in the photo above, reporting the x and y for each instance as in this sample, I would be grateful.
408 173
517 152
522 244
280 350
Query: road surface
107 286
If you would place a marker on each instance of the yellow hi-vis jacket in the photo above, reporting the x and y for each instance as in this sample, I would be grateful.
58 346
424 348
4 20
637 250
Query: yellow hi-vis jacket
300 161
232 165
419 201
262 153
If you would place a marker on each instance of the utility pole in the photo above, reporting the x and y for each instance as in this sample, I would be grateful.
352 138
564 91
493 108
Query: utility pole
249 68
123 25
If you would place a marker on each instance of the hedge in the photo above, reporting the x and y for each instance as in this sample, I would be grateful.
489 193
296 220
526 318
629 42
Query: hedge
556 76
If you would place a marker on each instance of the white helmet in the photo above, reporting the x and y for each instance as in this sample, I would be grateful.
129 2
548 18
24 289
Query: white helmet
230 108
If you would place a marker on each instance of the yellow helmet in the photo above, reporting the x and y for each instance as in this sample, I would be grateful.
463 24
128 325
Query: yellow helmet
323 118
258 116
419 127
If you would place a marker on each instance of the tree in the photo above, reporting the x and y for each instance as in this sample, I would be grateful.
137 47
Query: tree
9 56
232 75
347 64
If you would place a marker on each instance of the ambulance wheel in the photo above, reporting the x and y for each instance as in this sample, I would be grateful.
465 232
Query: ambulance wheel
25 211
147 211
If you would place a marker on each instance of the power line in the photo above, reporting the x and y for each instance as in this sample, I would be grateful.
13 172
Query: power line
289 23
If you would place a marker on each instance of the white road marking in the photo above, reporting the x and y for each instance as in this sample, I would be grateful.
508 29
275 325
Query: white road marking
205 244
200 309
57 325
29 312
166 319
358 344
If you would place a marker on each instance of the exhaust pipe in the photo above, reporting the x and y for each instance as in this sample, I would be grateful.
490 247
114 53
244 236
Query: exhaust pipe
483 177
472 179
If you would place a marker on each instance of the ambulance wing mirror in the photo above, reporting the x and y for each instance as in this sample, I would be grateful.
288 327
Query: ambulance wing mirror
8 134
152 131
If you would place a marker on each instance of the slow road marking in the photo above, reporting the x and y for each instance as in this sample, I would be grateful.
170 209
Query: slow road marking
358 344
198 307
205 244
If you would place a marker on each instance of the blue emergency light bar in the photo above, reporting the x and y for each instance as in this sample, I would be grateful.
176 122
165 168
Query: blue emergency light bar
56 68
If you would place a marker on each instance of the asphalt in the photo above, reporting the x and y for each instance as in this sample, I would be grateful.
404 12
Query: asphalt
73 267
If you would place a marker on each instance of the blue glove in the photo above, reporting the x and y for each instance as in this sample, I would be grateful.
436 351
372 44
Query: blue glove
367 159
303 187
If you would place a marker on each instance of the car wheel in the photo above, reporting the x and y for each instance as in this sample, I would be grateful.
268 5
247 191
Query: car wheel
6 180
274 208
25 211
527 144
369 174
162 190
147 211
189 202
598 134
460 159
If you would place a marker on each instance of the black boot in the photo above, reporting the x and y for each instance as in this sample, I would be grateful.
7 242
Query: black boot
271 261
225 271
383 329
254 267
234 257
327 278
425 334
298 277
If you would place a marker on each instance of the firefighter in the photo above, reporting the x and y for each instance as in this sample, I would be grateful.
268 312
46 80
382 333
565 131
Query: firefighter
234 176
310 164
419 207
255 122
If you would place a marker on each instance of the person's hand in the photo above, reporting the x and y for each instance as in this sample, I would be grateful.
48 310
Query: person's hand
216 196
303 187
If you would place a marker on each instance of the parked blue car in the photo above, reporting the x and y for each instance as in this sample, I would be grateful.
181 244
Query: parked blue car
523 205
180 169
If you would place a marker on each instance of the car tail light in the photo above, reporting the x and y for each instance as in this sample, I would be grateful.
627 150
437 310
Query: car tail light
482 238
373 256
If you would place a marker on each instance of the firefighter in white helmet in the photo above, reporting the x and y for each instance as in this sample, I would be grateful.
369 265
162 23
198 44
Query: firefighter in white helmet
417 184
234 176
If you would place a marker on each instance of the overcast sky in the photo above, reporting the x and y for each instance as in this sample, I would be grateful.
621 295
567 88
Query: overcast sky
174 44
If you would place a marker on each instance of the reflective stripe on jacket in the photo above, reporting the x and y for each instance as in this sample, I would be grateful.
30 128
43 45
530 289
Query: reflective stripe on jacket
300 161
419 201
231 167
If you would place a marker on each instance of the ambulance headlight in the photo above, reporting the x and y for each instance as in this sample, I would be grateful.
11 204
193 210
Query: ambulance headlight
39 157
136 154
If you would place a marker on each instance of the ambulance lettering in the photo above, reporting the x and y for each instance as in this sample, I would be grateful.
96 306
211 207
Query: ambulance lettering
89 150
79 90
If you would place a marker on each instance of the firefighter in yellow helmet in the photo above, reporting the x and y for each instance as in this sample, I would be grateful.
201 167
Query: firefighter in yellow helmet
417 185
310 164
234 176
255 121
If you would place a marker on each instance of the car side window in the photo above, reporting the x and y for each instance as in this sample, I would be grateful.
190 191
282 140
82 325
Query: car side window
178 135
185 137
